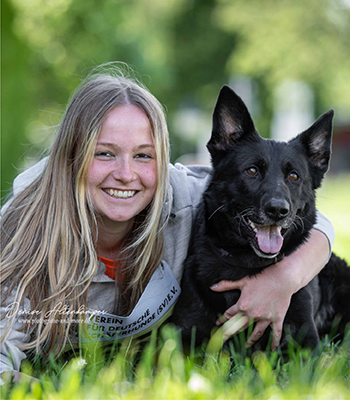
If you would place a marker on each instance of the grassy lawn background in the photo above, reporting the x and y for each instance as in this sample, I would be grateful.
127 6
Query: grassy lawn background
333 200
164 372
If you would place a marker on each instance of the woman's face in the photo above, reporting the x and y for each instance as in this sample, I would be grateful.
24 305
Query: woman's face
123 176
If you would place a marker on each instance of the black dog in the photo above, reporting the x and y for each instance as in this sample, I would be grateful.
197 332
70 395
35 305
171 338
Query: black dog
258 208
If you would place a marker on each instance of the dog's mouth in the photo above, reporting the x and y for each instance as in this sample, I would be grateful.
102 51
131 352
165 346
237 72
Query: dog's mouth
267 240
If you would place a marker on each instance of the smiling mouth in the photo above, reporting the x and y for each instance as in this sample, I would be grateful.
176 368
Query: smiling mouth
120 194
267 239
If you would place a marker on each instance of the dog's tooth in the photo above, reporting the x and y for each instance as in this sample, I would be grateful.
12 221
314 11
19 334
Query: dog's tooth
252 225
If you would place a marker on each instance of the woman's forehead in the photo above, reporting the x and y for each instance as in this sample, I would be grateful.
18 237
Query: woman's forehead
126 124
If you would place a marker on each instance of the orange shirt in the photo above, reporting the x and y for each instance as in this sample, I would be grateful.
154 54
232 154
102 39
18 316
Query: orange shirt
111 266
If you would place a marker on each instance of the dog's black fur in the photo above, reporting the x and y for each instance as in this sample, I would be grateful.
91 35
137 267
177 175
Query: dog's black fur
271 184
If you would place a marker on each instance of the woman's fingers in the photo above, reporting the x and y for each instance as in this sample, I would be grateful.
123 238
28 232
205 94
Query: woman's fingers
234 325
276 334
223 286
258 331
227 315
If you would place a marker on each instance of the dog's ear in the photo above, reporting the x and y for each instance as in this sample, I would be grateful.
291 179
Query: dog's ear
231 121
318 142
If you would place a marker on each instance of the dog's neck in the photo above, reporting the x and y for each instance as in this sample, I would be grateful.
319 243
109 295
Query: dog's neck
231 261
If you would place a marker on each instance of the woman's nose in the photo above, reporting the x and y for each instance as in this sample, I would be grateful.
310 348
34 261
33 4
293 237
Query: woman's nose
123 171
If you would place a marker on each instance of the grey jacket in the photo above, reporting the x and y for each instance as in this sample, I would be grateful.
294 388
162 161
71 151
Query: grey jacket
186 187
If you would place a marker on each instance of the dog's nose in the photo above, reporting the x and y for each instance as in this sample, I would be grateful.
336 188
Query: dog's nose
277 208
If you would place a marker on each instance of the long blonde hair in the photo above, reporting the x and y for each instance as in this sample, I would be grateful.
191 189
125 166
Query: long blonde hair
49 231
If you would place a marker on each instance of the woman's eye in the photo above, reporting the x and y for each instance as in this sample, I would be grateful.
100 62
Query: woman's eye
143 156
104 154
293 176
252 171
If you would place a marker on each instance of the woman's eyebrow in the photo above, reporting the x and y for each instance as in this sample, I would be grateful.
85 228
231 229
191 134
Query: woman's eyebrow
114 145
144 146
106 144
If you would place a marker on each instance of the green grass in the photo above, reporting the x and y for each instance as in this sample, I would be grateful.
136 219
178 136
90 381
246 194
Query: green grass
333 200
215 375
164 372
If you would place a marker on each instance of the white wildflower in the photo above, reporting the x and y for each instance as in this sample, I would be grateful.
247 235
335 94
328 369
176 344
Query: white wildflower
197 383
81 362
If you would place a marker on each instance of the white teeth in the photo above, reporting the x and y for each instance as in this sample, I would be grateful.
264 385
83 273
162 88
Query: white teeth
252 225
120 194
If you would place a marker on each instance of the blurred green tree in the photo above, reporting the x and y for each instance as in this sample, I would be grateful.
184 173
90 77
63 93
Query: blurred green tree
15 97
184 51
293 39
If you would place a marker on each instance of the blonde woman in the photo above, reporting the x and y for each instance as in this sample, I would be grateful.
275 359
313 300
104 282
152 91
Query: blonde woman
97 232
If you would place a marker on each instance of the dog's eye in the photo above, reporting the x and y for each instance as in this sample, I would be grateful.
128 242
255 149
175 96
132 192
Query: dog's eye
293 176
252 171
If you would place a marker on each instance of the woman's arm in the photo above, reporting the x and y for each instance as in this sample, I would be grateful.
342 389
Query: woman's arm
265 298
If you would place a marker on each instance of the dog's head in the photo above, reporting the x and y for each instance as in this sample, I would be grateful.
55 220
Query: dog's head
263 189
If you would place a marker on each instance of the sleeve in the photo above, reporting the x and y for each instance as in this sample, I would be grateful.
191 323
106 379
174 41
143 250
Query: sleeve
11 354
325 226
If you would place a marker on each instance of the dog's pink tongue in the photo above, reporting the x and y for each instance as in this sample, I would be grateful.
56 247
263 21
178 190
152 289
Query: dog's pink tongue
269 238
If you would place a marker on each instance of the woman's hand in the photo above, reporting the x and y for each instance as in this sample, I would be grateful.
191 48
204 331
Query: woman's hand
265 297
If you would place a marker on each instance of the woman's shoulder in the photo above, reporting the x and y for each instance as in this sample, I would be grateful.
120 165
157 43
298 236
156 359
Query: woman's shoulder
23 180
196 171
28 176
184 176
188 183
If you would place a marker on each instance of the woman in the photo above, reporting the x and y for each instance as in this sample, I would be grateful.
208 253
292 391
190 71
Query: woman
102 225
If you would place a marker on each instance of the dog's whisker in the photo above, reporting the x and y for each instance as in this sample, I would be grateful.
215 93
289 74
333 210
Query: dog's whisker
239 228
240 216
244 213
299 220
219 208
